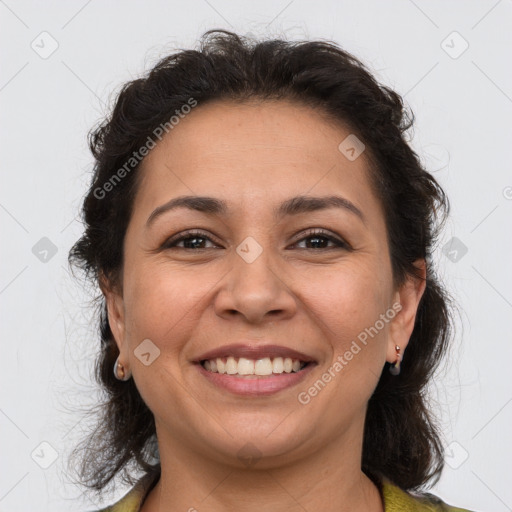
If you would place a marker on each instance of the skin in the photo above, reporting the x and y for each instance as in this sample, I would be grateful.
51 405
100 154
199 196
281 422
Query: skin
301 292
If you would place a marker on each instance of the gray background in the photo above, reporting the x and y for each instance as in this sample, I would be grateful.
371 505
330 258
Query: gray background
48 101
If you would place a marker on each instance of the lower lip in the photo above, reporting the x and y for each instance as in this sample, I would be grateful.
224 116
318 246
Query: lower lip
255 386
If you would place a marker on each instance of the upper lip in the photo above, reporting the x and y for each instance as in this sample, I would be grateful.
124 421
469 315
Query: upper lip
254 352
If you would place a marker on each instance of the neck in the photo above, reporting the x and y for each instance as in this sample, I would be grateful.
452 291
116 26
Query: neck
330 480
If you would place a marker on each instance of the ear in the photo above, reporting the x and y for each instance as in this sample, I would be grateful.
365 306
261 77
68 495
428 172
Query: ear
115 310
408 296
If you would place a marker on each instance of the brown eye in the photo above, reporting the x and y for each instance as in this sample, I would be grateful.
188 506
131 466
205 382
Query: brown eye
320 239
192 240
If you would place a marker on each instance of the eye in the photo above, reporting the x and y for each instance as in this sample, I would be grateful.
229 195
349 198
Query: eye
196 240
319 238
191 240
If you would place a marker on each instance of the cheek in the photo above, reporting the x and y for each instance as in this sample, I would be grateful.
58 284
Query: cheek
348 300
161 305
350 304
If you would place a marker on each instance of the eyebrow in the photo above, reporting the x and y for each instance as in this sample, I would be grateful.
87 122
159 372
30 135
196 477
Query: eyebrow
293 206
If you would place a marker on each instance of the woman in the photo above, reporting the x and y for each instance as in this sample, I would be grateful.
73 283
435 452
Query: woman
261 233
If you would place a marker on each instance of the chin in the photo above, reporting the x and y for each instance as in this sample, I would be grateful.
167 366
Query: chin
263 441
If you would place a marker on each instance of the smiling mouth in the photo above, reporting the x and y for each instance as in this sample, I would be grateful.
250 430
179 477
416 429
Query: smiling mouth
254 368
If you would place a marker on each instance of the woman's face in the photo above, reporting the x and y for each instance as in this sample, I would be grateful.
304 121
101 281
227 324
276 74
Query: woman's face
263 277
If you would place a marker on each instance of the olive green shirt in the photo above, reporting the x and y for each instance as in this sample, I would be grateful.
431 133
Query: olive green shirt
394 499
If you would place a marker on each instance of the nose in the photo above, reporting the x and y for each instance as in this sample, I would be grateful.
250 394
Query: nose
258 291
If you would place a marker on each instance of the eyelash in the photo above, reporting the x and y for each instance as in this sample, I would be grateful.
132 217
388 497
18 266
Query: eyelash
311 233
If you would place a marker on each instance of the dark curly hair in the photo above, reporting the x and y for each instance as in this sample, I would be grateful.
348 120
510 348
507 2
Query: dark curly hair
401 438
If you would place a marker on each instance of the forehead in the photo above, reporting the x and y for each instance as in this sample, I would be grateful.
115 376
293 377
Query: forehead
267 127
260 150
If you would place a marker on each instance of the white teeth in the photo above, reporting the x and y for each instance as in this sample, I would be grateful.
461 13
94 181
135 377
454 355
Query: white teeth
231 366
263 367
244 366
277 365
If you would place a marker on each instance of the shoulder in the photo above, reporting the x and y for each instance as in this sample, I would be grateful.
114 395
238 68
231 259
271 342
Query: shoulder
398 500
132 501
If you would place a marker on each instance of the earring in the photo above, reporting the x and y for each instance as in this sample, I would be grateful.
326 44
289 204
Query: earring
394 369
119 371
